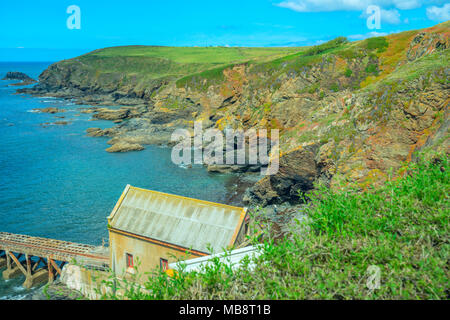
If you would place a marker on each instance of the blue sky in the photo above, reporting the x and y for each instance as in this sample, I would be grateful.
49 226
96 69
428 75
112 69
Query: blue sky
32 30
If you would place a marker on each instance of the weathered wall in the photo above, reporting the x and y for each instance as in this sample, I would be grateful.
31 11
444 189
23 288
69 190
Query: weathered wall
87 282
147 253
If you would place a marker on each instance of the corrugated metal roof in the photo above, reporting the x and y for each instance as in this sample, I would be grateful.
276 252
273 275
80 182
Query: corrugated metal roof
177 220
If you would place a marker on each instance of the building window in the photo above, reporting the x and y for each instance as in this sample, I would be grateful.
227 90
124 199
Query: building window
164 264
130 262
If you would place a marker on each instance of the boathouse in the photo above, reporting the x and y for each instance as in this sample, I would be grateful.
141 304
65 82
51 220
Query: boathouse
153 229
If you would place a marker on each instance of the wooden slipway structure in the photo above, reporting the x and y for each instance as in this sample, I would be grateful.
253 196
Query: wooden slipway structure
154 229
40 259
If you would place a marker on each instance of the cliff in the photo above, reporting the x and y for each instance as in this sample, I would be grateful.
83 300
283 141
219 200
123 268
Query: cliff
348 112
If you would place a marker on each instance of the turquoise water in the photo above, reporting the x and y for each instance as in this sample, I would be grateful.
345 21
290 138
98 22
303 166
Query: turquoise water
58 183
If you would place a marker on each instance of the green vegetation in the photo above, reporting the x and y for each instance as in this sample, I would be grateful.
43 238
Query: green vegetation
401 227
327 46
195 55
372 68
430 65
334 87
211 76
295 62
378 43
348 72
158 62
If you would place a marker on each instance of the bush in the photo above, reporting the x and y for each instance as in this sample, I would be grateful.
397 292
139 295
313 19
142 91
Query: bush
372 68
334 87
379 43
348 72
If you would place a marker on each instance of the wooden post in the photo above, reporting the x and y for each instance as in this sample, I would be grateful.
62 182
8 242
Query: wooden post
50 270
28 262
18 263
55 266
8 261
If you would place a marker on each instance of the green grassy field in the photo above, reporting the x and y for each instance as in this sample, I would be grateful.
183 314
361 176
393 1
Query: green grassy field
195 55
159 62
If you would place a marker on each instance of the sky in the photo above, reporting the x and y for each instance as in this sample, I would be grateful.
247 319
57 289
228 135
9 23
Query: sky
40 30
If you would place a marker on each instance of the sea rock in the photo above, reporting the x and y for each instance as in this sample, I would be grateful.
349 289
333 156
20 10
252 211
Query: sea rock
88 110
225 168
124 146
14 75
61 123
57 123
56 291
97 132
50 110
109 114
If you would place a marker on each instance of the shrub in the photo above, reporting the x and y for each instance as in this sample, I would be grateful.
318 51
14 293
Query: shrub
334 87
348 72
372 68
379 43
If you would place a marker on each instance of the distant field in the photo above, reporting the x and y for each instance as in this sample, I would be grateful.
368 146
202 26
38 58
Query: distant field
151 62
203 55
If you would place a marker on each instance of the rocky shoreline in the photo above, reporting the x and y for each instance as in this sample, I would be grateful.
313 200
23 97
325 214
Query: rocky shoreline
134 128
347 117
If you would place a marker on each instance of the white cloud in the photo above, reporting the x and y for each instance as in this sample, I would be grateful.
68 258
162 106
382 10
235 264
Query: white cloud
390 16
439 14
352 5
367 35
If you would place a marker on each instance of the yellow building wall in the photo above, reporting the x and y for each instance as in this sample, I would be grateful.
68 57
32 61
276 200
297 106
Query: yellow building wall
148 254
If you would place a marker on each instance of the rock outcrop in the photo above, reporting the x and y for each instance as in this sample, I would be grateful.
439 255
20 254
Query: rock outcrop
51 110
298 170
123 146
14 75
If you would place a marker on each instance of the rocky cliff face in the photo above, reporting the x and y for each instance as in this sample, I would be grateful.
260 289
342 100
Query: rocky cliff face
347 112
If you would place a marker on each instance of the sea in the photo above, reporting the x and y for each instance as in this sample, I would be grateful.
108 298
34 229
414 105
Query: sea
58 183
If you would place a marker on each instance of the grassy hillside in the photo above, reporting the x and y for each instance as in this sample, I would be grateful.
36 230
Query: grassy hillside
402 228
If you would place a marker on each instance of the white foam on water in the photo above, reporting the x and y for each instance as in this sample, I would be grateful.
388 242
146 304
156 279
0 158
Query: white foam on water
18 289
